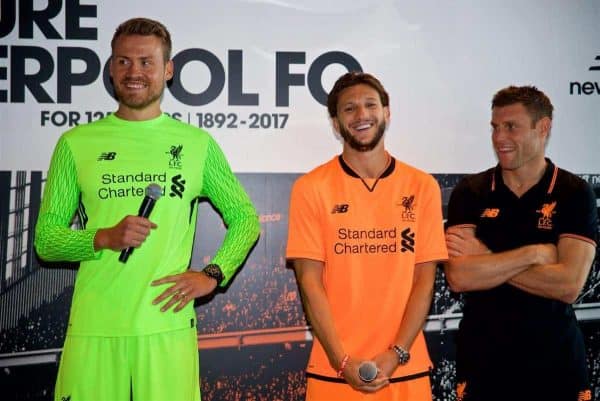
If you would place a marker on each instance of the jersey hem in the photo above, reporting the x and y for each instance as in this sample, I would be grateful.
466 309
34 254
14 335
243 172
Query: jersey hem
439 258
579 237
392 379
300 255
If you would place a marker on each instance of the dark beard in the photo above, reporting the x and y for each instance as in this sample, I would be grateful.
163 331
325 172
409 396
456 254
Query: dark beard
363 147
137 104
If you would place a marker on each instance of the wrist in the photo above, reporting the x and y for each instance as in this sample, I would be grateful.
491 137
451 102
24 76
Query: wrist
99 242
213 271
402 355
342 366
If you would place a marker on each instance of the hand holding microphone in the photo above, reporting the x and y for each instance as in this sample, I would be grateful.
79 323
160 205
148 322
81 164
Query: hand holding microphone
364 376
367 371
153 193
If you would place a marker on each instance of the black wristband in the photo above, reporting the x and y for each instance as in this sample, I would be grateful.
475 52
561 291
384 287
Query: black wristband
214 271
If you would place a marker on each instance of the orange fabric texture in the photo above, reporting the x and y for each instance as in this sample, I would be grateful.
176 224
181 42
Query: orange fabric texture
370 242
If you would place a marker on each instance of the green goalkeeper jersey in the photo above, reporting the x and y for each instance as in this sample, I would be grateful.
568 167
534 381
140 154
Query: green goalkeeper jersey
100 171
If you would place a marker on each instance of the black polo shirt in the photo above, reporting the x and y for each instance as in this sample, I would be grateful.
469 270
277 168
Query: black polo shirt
506 332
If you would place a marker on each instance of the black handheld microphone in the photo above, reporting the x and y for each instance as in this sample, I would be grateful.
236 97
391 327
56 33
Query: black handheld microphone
367 371
153 192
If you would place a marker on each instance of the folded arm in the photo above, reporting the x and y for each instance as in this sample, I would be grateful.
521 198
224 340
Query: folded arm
564 279
472 266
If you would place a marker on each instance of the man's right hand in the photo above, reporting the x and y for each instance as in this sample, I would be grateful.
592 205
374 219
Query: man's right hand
131 231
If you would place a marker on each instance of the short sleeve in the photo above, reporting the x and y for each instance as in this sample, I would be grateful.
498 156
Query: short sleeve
579 218
305 234
431 229
463 208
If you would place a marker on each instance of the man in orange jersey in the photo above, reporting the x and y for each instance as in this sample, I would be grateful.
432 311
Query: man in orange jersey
365 234
521 240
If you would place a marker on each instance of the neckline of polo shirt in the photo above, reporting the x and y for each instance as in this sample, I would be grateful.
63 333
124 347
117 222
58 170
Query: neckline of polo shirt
348 170
545 182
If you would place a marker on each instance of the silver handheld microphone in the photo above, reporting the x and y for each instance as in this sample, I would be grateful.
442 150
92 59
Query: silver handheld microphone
367 371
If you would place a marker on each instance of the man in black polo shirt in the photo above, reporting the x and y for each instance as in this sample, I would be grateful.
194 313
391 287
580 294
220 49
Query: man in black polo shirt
521 240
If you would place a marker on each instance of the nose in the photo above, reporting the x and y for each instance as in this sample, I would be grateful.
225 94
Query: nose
360 112
498 134
133 68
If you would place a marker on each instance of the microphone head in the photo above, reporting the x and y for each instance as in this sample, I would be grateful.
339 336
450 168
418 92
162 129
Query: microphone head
367 371
153 191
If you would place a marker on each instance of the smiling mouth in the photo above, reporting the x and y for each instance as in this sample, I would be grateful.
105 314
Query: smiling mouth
135 85
362 126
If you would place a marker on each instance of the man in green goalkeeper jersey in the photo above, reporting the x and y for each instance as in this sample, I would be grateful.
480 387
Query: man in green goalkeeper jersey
132 327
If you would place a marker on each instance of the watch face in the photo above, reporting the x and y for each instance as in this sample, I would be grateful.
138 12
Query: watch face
214 271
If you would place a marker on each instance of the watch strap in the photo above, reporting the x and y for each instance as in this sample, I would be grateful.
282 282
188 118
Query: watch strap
213 270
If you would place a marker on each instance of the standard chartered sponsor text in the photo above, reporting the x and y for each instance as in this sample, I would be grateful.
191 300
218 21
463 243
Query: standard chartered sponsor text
108 178
139 190
370 241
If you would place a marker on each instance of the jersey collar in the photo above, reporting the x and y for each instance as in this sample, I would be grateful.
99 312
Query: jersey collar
547 181
348 170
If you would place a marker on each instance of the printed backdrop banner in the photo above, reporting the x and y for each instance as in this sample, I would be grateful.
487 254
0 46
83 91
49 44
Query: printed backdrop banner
255 73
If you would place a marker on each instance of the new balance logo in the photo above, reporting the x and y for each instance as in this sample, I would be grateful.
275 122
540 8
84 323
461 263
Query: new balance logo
586 87
595 67
490 213
341 208
177 187
408 241
107 156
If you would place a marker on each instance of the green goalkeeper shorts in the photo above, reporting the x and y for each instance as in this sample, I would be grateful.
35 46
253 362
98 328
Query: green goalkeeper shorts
155 367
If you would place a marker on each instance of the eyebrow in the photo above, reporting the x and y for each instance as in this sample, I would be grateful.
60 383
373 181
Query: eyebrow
493 124
370 98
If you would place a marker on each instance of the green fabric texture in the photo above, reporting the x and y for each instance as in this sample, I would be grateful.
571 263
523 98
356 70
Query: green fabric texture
100 171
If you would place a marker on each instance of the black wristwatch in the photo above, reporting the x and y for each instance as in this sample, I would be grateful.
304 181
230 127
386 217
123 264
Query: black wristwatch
214 271
403 355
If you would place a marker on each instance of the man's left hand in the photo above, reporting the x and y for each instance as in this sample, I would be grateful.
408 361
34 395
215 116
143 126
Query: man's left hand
186 287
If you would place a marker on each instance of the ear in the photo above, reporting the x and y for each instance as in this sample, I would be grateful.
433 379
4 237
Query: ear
386 114
110 66
544 125
336 124
169 70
